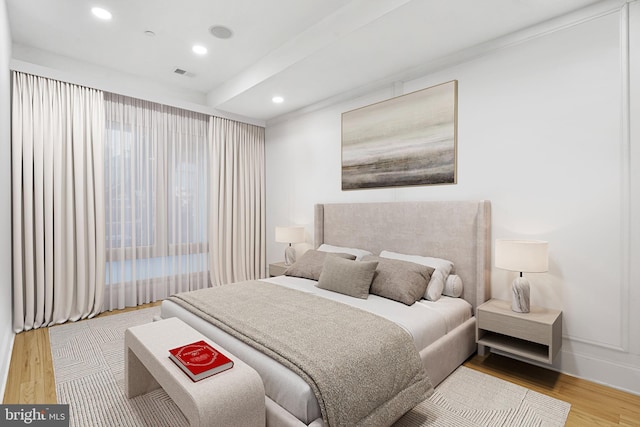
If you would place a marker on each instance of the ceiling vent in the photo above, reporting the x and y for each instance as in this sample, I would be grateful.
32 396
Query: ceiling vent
221 32
185 73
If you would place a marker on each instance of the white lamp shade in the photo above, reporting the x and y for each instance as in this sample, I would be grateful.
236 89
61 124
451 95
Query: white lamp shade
289 234
526 256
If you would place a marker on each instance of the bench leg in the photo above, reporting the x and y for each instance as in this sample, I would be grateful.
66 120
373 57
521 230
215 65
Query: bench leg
138 380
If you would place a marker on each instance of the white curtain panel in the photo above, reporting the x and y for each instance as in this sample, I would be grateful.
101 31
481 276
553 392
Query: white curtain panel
237 208
157 200
57 202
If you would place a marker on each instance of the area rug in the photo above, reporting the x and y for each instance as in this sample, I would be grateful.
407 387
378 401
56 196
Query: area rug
88 364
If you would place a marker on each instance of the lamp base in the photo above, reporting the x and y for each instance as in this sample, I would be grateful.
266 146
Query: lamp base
289 255
520 297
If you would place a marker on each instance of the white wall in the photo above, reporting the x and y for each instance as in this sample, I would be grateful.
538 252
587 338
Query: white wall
541 133
6 330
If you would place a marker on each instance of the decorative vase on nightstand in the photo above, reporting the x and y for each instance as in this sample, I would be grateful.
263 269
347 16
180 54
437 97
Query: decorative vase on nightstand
289 255
520 299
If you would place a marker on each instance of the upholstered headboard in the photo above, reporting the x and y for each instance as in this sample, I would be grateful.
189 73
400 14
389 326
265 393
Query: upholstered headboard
459 231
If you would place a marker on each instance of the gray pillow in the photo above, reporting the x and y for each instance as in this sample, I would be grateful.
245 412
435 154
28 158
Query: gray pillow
309 266
348 277
401 281
442 267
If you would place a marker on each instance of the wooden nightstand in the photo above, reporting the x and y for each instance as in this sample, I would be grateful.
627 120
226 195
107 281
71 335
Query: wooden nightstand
536 335
277 269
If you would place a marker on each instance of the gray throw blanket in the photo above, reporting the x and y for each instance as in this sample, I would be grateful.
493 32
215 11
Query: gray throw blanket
363 369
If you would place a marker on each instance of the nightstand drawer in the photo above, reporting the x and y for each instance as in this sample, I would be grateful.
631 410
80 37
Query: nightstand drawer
514 327
536 335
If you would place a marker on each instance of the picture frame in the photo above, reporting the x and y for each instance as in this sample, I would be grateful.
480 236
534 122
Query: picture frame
407 140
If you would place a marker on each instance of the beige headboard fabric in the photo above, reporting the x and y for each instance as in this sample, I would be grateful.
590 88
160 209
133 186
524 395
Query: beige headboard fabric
459 231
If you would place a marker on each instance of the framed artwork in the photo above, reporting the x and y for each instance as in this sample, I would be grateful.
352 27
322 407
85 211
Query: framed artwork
407 140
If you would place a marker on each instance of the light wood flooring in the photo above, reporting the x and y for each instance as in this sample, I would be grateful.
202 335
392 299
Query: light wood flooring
31 380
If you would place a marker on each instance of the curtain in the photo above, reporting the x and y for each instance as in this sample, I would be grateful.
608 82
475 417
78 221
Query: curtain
237 206
57 202
157 201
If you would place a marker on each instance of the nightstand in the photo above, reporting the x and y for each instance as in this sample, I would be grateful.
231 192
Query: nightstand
536 335
277 269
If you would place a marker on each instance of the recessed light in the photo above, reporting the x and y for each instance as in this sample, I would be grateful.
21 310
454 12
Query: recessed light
199 49
277 100
101 13
149 33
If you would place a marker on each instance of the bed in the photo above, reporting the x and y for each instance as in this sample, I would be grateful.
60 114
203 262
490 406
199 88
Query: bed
458 231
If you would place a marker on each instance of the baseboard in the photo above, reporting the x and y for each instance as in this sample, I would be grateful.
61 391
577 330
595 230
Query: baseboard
5 361
615 374
620 376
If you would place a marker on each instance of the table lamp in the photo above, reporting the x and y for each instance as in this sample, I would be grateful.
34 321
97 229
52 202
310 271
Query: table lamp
523 256
289 235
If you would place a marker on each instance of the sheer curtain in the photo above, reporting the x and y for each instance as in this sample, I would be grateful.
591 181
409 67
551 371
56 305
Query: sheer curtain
157 201
237 217
57 202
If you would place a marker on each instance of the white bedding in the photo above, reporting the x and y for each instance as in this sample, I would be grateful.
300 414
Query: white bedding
426 321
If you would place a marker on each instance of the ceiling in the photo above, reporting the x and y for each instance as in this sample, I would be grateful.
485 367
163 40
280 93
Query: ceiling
303 50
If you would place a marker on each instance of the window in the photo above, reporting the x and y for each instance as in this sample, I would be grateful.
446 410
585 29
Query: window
130 201
156 195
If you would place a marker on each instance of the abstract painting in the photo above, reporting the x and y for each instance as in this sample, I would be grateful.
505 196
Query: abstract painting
407 140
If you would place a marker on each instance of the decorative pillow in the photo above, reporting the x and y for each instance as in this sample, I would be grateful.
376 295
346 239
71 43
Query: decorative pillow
453 286
309 266
435 288
442 268
359 253
401 281
347 277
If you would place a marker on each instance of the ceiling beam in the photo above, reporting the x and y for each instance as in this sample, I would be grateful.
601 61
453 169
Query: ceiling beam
351 17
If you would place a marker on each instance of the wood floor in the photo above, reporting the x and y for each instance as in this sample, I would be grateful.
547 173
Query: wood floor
31 380
591 404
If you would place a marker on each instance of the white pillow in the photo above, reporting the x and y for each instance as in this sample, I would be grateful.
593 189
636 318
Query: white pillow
359 253
442 267
453 286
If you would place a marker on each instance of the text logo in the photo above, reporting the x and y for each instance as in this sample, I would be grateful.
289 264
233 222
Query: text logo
34 415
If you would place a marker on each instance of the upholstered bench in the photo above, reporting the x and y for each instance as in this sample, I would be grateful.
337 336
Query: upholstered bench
234 397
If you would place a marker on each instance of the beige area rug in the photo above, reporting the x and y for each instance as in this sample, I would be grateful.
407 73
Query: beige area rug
89 371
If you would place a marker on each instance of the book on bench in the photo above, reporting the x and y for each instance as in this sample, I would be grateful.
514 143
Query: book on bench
200 360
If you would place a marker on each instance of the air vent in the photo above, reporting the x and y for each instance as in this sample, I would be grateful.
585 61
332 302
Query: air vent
179 71
220 31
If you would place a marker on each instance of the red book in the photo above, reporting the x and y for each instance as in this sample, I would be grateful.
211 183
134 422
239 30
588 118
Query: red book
199 360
